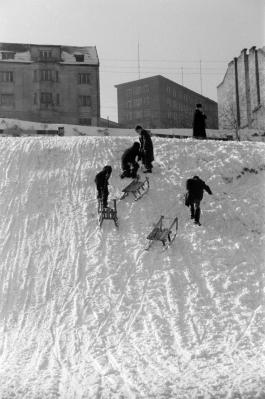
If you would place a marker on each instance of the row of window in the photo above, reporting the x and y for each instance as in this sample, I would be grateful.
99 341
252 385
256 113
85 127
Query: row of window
44 98
44 55
175 115
138 90
179 106
145 113
6 76
45 75
184 96
138 102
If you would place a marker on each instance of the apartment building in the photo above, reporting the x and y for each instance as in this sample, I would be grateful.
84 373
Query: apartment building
49 83
158 102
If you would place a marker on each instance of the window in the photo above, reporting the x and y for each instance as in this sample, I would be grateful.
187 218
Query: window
168 89
46 98
57 99
146 100
84 78
45 55
147 113
85 101
137 102
146 89
35 100
7 99
8 55
129 104
138 114
46 75
6 76
129 92
174 93
169 102
85 121
79 57
137 90
57 76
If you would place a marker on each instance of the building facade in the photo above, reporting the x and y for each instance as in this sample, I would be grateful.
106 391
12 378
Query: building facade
49 83
158 102
241 94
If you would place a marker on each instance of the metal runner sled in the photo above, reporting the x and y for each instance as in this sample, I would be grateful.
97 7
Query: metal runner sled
107 213
163 234
137 188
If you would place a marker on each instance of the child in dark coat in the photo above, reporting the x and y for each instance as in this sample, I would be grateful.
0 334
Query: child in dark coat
102 182
146 148
128 161
195 188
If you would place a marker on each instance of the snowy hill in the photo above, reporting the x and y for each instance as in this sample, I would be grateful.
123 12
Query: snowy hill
87 313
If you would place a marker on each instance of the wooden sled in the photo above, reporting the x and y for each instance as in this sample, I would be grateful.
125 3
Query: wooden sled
137 188
107 213
163 234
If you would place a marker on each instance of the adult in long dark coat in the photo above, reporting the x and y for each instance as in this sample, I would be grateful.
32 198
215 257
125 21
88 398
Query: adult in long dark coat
146 148
128 161
102 182
195 188
199 123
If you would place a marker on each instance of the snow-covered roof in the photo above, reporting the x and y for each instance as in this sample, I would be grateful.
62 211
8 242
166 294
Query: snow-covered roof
23 53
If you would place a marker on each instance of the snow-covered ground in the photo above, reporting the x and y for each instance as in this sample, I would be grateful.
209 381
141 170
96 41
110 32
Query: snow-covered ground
88 313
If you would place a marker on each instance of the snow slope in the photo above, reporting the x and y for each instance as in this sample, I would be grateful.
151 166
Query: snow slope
87 313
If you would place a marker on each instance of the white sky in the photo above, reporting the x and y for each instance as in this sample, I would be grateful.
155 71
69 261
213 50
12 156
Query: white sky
172 34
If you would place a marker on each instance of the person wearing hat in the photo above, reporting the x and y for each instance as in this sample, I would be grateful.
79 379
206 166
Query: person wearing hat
128 161
199 123
146 148
102 182
195 187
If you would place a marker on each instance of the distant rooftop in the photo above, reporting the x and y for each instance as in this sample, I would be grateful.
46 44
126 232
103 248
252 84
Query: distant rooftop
162 78
69 54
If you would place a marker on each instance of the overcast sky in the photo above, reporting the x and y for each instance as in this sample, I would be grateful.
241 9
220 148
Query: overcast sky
173 36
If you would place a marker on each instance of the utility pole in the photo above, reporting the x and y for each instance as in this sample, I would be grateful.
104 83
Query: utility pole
138 48
201 75
182 75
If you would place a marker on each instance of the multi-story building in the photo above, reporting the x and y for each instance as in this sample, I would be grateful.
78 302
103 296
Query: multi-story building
158 102
49 83
241 94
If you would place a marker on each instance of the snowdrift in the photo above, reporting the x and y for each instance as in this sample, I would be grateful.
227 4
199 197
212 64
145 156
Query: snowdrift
19 128
88 313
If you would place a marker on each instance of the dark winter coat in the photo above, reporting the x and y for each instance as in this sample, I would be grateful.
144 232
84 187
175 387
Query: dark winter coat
130 154
102 182
146 147
195 188
199 124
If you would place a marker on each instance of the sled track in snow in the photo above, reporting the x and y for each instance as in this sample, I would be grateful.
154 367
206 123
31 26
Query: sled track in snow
87 313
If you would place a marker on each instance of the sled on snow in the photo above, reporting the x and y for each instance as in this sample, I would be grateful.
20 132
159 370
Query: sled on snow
107 213
164 234
137 187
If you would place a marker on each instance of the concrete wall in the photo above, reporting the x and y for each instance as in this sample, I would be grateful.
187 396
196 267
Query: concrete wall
241 97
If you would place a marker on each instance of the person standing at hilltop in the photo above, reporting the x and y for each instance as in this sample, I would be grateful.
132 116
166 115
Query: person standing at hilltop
146 148
199 124
195 187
